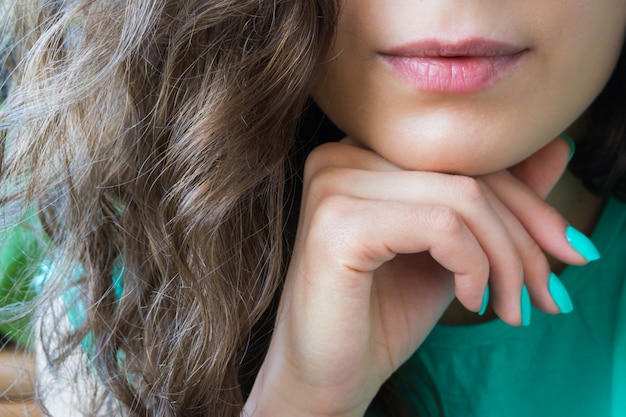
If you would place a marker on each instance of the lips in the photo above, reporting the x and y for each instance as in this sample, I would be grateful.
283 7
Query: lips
460 67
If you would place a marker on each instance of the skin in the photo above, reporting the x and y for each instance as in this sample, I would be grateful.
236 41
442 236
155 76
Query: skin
406 213
570 43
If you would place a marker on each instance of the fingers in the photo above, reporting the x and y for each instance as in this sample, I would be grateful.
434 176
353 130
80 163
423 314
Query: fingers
533 223
344 235
546 226
372 266
336 306
462 195
534 263
504 212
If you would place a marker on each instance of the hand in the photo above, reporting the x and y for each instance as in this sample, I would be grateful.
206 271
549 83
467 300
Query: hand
379 255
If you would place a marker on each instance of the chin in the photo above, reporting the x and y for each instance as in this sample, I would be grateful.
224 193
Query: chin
448 162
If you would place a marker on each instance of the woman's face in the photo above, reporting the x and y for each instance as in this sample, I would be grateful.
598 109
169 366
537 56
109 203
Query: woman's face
466 86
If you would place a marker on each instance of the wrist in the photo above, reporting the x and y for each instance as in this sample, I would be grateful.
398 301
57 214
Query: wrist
285 396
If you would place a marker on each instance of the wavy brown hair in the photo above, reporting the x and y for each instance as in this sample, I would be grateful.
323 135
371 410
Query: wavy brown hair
155 134
158 135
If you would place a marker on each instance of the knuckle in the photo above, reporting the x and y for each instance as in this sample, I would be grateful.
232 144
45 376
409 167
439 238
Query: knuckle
318 158
446 221
336 226
334 214
325 182
469 189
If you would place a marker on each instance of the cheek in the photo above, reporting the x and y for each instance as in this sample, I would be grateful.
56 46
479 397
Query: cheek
583 53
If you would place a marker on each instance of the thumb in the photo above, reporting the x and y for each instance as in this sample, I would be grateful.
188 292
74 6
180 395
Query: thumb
542 170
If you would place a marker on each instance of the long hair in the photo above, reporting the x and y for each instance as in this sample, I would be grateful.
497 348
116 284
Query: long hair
600 161
154 138
155 134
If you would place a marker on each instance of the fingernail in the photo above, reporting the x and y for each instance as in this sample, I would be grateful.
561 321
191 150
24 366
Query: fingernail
525 299
483 307
559 294
582 244
571 143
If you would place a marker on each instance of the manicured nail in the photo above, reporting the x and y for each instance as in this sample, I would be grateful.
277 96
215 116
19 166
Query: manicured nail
571 143
582 244
559 294
525 299
483 307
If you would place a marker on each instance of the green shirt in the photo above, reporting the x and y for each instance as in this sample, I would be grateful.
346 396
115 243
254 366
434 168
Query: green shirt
570 365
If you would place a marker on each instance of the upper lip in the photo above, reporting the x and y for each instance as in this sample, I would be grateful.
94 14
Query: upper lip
473 47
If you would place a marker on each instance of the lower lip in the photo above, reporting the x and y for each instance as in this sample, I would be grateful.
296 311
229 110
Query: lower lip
453 75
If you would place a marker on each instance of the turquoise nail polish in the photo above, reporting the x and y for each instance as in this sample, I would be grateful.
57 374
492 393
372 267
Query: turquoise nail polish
525 301
559 294
483 307
582 244
571 143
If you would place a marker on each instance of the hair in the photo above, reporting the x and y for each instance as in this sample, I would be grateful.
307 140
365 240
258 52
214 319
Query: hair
159 135
600 160
156 134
